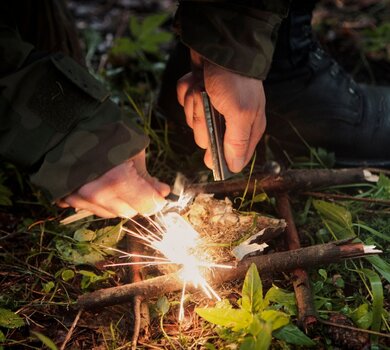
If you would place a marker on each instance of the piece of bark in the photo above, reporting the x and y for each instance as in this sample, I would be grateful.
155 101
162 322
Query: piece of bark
267 264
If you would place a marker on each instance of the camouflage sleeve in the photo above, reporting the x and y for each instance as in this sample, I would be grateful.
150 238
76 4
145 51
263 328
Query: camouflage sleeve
237 35
57 121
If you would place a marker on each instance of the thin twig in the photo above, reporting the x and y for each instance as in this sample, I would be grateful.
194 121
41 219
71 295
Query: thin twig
328 323
137 301
347 197
71 329
135 247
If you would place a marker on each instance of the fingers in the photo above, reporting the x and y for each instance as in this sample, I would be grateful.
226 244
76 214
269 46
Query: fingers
161 187
241 138
208 159
188 93
183 85
76 201
257 132
124 191
199 121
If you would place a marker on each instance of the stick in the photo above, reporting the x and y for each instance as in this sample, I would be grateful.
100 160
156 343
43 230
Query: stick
307 314
271 263
348 197
290 180
137 299
71 329
355 329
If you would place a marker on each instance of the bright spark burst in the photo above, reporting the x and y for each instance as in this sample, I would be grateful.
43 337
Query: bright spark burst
177 241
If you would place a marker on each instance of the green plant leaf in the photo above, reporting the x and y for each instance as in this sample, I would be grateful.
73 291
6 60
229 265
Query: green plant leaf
150 24
67 275
261 342
5 196
382 266
362 316
275 318
323 274
249 343
135 26
90 277
377 301
256 326
163 305
252 291
81 253
124 46
152 44
45 340
5 192
293 335
282 297
337 218
2 339
47 287
236 319
384 183
109 236
84 235
9 319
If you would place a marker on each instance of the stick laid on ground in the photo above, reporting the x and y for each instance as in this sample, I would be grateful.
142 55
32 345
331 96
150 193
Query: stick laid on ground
267 264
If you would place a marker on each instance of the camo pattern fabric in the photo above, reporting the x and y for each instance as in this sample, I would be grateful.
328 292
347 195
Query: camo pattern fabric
57 121
237 35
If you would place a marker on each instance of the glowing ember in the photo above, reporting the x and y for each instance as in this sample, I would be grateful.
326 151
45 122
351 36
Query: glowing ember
177 241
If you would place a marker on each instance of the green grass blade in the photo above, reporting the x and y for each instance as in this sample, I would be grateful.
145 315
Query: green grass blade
377 301
373 231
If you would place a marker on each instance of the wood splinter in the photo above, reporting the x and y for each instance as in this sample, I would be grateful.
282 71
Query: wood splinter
267 264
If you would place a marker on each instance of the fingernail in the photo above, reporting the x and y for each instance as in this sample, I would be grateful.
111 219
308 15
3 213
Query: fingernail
238 164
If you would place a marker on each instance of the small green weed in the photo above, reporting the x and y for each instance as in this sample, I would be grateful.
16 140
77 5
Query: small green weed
255 322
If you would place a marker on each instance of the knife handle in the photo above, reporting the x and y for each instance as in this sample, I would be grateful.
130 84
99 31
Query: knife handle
216 130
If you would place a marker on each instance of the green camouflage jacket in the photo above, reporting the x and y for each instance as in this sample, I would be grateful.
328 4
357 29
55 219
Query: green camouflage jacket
236 34
56 120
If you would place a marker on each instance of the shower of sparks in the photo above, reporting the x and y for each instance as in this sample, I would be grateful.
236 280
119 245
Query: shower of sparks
177 241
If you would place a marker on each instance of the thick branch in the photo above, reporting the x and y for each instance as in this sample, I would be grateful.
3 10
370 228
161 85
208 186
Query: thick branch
271 263
290 180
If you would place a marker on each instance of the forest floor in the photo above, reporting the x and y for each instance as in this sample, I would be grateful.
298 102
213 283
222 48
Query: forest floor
45 266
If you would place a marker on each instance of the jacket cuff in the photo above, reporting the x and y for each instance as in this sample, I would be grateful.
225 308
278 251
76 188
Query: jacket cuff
232 36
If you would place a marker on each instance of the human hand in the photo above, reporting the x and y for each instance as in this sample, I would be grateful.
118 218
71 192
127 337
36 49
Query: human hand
124 191
238 98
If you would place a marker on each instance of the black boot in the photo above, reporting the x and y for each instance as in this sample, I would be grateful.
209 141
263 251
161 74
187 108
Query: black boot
310 97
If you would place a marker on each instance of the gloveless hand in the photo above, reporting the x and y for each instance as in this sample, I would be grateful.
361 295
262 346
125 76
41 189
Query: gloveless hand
238 98
124 191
